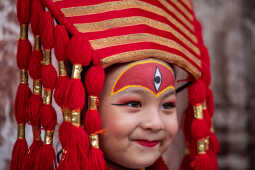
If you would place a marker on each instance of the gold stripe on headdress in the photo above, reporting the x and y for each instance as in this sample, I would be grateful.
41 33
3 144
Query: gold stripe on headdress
146 53
141 37
132 21
128 4
182 8
187 2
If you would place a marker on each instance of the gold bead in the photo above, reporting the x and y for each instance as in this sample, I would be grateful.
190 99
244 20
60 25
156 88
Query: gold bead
46 57
37 45
21 131
37 87
23 76
94 140
62 68
66 115
198 111
92 102
23 32
207 142
204 105
48 138
201 146
76 73
75 118
47 96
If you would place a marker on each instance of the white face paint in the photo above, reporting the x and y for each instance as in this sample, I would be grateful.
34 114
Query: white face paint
157 79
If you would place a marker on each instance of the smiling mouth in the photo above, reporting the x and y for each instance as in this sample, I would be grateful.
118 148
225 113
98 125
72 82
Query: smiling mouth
147 143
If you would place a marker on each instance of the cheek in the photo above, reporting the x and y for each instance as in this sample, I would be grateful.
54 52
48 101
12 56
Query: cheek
171 126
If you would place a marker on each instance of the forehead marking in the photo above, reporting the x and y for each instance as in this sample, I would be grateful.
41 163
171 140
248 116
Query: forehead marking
157 79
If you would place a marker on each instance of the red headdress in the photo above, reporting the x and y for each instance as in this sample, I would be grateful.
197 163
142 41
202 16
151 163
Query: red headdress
103 33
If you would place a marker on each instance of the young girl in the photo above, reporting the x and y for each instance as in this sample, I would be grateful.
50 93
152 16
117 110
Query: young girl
129 49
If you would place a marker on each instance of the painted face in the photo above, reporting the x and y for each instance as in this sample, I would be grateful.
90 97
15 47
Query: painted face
138 113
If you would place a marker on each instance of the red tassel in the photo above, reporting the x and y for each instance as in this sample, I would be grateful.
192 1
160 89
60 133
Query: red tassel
96 159
46 159
214 160
199 129
34 67
23 11
214 143
23 53
79 50
197 92
37 10
48 117
61 41
49 76
33 108
46 30
202 162
18 154
159 164
186 163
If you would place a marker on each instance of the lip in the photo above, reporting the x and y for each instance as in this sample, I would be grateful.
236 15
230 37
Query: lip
147 143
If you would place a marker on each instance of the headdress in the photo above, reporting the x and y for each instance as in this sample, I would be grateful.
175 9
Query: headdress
103 33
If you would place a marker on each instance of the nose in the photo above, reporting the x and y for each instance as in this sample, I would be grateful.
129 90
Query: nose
152 120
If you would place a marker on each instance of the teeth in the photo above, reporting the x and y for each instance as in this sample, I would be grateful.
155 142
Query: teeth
157 79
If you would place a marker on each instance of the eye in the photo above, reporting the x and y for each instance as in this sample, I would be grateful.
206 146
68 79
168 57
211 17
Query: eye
169 105
133 104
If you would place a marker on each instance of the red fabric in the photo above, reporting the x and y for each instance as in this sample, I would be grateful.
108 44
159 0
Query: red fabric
23 11
37 10
19 152
23 53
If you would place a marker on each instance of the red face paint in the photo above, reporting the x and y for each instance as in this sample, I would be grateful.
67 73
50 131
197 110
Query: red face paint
154 76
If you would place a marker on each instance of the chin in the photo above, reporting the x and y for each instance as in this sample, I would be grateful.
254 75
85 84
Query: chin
140 161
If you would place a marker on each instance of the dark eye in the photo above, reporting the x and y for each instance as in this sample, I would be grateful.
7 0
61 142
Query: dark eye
168 105
134 104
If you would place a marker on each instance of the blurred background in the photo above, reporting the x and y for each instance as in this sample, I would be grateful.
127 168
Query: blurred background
229 32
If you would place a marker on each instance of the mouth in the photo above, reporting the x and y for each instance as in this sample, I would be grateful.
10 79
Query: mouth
147 143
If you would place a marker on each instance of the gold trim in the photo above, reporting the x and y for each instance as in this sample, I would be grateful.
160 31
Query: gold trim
76 72
201 148
48 138
187 2
147 53
183 9
207 143
136 20
92 102
198 111
37 87
141 37
94 140
128 4
75 118
21 131
204 105
47 96
23 31
62 68
23 76
66 115
37 45
46 57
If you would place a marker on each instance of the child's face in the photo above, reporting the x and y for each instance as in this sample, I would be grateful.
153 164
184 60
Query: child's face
138 113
